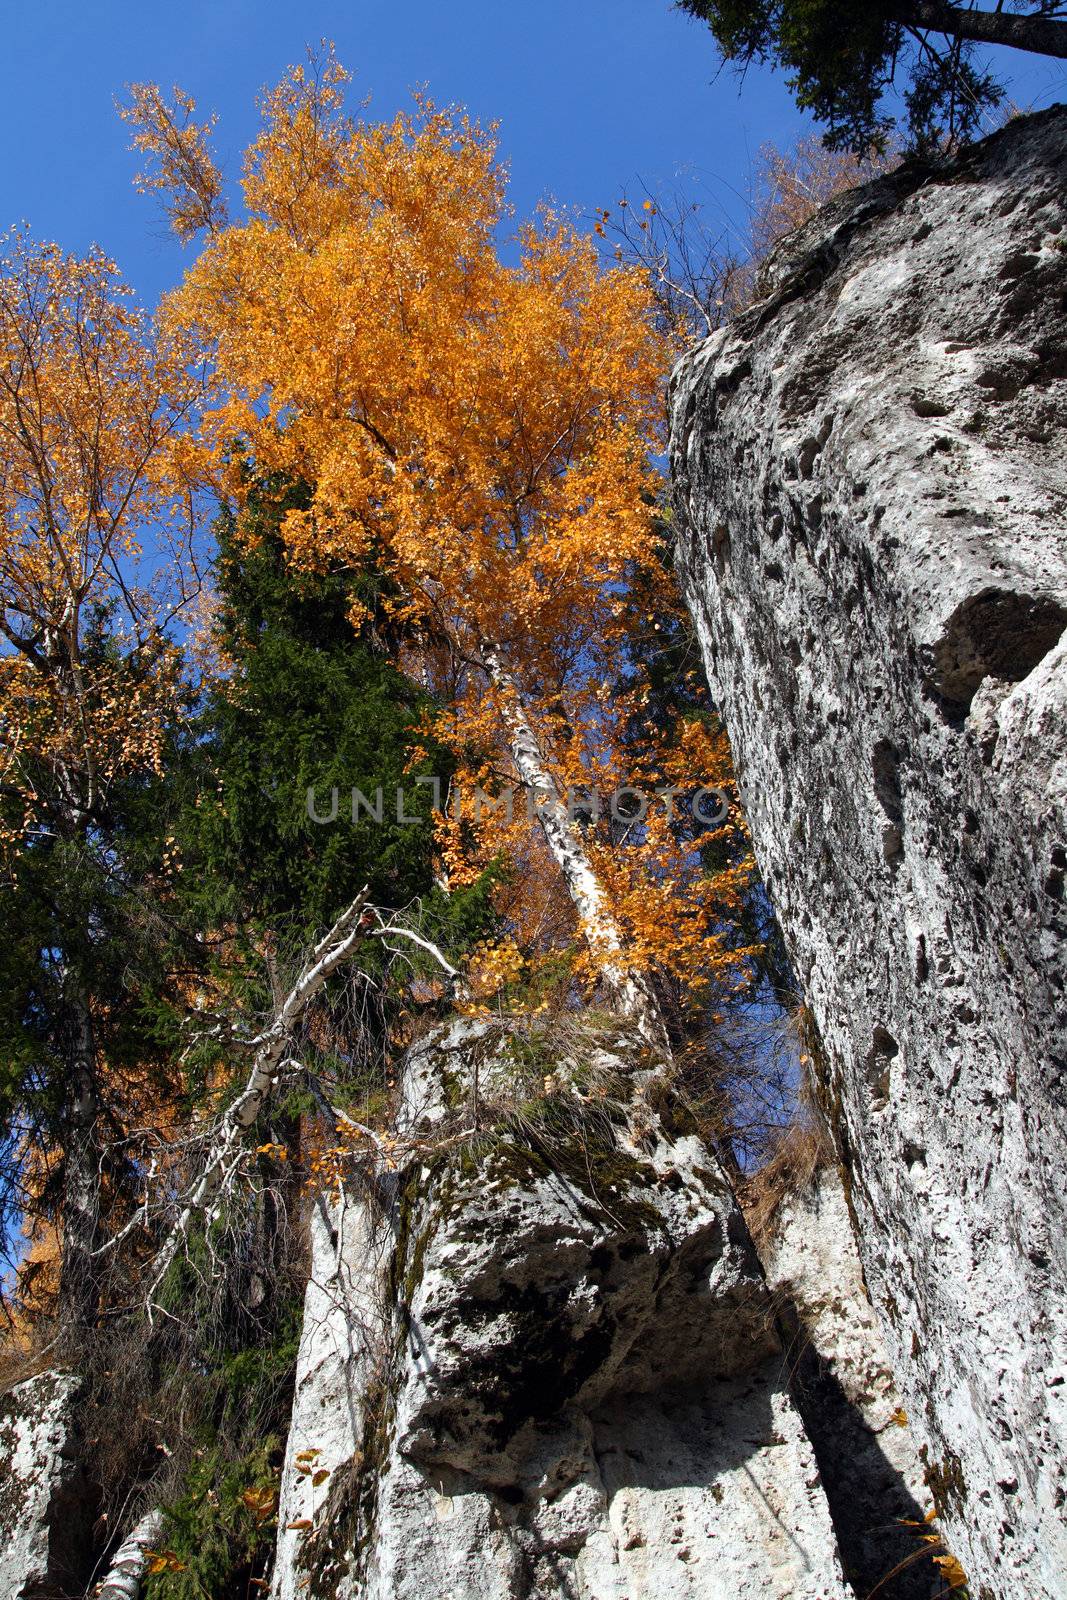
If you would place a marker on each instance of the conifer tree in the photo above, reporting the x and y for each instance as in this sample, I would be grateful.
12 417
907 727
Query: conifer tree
308 778
843 60
303 708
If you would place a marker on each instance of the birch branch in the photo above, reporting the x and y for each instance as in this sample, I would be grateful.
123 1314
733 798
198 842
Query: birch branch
633 993
123 1582
428 945
360 922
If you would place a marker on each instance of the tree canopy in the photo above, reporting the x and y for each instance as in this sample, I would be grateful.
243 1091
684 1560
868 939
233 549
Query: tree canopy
485 433
844 60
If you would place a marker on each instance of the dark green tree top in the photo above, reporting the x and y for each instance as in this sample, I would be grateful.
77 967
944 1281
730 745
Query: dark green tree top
843 59
310 703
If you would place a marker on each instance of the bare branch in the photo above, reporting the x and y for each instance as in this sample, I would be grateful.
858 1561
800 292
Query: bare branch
225 1150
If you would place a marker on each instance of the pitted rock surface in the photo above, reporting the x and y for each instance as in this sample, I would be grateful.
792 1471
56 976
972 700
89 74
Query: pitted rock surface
871 497
45 1509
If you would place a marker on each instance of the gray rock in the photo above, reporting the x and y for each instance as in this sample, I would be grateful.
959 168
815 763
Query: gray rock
844 1386
43 1504
565 1374
342 1333
871 489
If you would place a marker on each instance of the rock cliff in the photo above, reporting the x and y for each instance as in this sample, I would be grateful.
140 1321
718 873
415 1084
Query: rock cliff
545 1366
45 1506
871 492
846 1391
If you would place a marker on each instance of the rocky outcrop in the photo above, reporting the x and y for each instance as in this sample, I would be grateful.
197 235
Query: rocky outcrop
871 490
44 1504
542 1361
847 1394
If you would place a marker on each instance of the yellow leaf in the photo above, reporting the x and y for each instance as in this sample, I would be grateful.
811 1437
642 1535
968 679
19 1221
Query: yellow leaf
163 1561
951 1571
301 1522
320 1477
260 1501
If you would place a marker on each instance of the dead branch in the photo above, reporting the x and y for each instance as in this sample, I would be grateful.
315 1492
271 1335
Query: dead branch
337 947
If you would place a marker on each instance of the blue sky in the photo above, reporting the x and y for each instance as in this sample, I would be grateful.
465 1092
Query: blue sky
591 94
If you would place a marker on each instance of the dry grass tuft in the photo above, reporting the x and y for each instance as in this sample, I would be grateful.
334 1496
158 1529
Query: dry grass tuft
24 1354
801 1151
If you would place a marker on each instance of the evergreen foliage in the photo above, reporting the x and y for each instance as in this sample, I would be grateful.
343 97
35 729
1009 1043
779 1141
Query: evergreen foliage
85 922
844 60
307 703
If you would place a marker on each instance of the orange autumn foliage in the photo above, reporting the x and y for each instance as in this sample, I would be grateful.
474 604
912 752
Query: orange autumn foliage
89 407
483 426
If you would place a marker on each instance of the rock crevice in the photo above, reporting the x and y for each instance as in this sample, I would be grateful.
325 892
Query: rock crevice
568 1378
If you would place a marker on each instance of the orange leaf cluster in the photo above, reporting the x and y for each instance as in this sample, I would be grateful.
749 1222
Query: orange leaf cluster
90 408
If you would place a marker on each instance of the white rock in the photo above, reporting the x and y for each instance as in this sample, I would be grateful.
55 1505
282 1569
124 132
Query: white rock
576 1388
844 1385
871 492
341 1331
43 1511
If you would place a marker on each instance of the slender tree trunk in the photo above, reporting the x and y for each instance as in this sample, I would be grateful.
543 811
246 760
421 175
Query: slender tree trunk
78 1279
124 1580
632 991
1043 35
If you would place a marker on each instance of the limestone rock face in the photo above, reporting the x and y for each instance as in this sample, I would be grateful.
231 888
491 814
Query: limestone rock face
871 493
846 1391
43 1503
552 1369
342 1335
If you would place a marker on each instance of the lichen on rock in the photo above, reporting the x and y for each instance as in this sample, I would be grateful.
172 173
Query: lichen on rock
871 488
44 1503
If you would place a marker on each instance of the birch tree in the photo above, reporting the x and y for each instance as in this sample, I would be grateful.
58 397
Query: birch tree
486 430
89 407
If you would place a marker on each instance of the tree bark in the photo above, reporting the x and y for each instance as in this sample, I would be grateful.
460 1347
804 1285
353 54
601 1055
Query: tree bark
79 1271
1042 35
123 1582
633 993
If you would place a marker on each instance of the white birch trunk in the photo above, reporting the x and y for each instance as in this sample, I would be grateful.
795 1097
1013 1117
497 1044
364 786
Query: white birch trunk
632 992
124 1580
